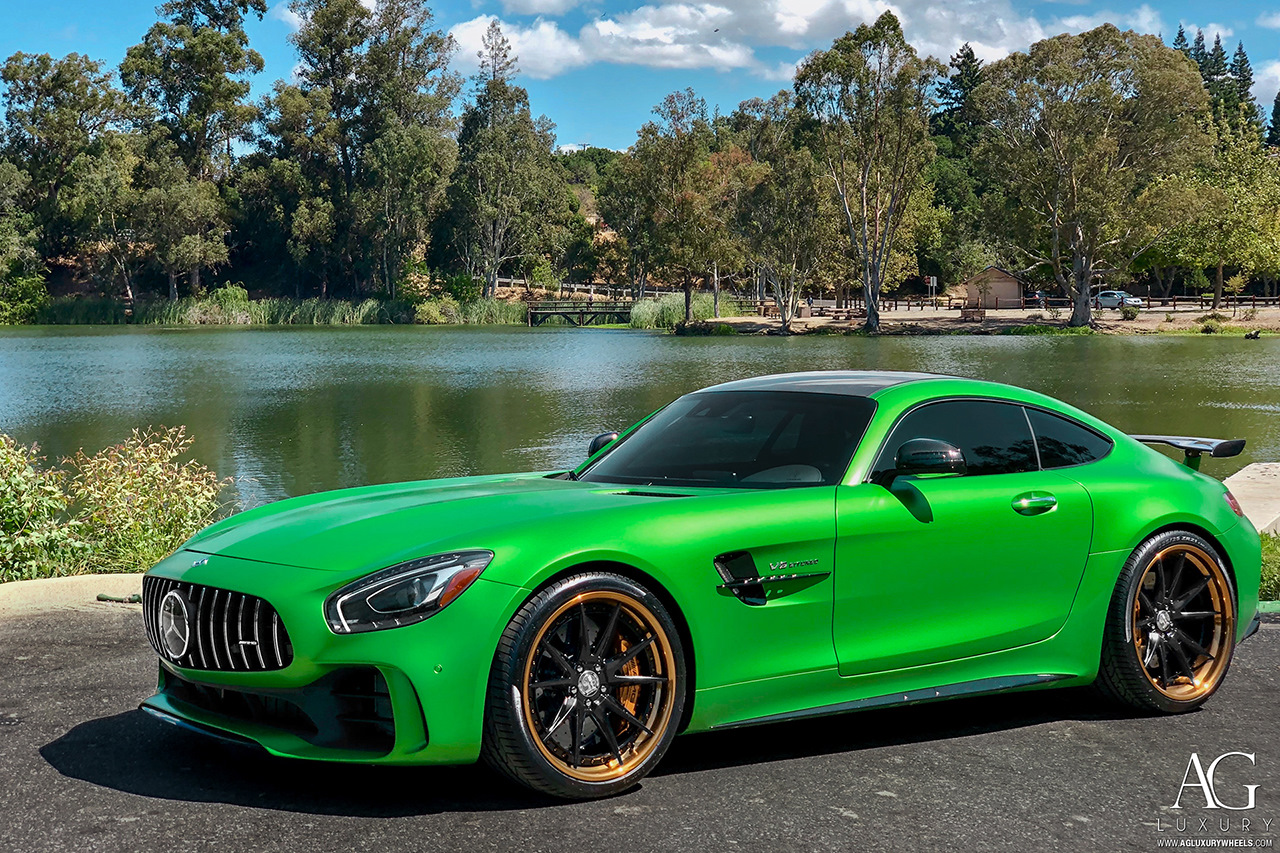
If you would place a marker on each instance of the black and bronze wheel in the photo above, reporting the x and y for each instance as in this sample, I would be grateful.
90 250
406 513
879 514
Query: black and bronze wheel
587 688
1171 628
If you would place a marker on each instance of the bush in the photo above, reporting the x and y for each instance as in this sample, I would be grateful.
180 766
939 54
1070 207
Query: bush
36 538
1128 312
1210 327
122 509
463 287
668 310
1249 314
1270 590
135 504
21 299
1212 315
230 296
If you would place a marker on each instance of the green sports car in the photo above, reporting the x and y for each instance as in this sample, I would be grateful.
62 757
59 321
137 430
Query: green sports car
767 549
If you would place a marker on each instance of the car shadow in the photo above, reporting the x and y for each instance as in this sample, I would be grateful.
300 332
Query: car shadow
134 753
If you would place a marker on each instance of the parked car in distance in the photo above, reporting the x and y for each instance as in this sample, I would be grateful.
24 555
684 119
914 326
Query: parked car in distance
1117 299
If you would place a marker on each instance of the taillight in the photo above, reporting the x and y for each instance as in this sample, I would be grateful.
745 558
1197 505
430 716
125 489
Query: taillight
1233 503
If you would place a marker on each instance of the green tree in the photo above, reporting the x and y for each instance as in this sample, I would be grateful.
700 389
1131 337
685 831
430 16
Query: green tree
627 202
1273 128
1235 223
672 154
56 110
1199 53
958 117
1083 130
1180 42
508 197
181 217
870 100
1239 103
782 214
105 203
192 70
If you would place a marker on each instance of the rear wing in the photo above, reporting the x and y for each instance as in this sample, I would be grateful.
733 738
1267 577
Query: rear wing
1192 448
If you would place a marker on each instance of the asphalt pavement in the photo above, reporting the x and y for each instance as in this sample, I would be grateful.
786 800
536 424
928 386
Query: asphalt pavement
82 770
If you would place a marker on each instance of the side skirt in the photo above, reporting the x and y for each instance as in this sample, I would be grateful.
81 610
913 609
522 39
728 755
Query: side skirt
930 694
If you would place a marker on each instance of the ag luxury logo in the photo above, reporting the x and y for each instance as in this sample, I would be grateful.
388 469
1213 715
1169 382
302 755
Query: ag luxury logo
1206 785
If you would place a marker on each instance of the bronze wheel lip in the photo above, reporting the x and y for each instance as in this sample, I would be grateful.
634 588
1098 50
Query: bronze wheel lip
1207 673
659 719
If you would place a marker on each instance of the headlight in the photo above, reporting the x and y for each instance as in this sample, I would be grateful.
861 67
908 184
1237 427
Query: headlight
403 594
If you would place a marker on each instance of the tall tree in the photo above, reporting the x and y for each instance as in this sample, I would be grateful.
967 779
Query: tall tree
1273 128
1180 42
672 153
1240 103
870 99
55 111
1199 53
508 194
181 217
958 116
627 206
1083 130
192 68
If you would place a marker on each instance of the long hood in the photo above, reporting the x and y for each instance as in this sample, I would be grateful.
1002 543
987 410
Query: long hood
376 526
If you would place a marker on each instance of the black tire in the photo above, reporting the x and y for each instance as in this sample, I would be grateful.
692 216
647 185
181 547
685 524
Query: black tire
619 723
1170 629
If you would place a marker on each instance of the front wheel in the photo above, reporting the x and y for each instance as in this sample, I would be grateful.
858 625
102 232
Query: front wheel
587 688
1170 631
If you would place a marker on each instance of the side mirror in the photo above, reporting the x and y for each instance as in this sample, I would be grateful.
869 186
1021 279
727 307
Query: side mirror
600 442
927 456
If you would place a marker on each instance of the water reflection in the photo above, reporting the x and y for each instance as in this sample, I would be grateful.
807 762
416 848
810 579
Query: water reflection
291 411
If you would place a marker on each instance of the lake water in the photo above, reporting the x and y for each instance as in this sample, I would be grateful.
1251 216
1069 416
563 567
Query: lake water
288 411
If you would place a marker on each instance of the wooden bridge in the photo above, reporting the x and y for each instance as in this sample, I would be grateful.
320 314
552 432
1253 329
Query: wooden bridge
579 312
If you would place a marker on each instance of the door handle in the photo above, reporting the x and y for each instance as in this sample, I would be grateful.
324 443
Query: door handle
1034 503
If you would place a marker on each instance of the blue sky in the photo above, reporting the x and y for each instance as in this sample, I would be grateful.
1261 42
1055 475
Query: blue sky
597 69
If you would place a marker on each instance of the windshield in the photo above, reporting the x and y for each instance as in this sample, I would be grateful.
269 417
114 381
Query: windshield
741 439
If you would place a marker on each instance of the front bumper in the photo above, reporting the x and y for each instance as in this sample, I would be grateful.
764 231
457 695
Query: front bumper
411 695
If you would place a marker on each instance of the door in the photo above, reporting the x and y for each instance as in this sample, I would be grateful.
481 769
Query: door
936 568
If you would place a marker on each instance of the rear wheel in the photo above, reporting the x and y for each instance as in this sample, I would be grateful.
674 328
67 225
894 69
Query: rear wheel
587 688
1170 632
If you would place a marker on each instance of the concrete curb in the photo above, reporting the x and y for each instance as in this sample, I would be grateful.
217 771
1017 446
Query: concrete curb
79 592
1257 488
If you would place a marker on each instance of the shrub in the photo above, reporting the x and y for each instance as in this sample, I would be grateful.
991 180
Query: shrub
1249 314
21 299
1270 590
230 296
1128 312
1212 315
1210 327
463 287
135 504
1168 316
429 313
36 537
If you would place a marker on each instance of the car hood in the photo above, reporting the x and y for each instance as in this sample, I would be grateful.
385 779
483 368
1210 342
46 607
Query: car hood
377 526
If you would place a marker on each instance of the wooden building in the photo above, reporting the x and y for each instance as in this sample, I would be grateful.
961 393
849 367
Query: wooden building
992 288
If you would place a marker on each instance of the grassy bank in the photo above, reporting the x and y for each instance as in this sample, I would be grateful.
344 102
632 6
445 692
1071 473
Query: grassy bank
218 309
668 310
1270 567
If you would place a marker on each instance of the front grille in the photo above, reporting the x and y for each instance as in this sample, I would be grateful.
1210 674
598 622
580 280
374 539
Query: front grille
230 631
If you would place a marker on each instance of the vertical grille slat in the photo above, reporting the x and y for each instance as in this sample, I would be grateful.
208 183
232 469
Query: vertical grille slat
227 625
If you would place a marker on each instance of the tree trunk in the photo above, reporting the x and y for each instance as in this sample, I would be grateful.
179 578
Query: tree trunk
871 295
1217 287
688 298
195 281
715 291
1082 278
173 285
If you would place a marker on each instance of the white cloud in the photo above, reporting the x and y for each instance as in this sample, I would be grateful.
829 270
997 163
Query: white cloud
541 50
539 7
1210 30
725 35
1270 20
1266 82
282 12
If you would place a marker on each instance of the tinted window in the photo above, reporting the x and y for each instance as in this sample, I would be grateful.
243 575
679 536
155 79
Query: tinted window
746 439
1064 443
994 437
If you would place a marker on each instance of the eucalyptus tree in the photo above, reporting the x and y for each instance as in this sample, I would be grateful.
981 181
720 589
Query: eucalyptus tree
1081 131
56 110
508 199
626 203
180 216
782 213
671 156
870 98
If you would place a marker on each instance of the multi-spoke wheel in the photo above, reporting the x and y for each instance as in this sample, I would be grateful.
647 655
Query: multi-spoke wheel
587 688
1171 628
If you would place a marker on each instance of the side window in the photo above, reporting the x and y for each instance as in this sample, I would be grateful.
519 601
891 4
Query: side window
1063 442
994 437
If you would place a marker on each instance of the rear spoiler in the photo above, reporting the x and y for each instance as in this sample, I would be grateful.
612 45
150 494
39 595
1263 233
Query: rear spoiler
1192 448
